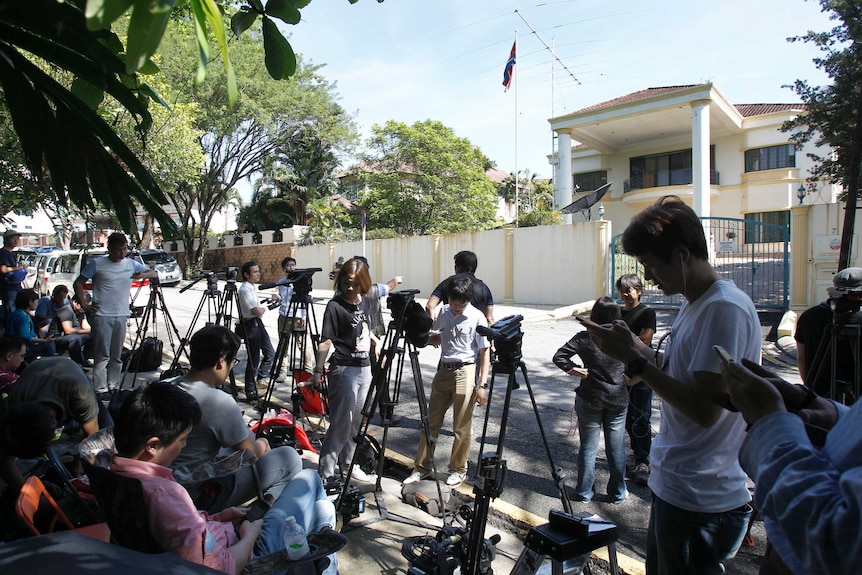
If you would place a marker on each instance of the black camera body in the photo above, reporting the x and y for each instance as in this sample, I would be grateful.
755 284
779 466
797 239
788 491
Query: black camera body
353 503
447 552
507 337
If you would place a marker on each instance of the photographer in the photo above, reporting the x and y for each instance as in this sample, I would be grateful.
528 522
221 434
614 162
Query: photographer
811 498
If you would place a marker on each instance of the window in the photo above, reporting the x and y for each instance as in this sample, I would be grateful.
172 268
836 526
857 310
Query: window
775 229
669 169
770 158
589 181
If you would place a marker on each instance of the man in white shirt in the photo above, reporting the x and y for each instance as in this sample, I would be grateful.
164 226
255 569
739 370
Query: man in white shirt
256 338
112 277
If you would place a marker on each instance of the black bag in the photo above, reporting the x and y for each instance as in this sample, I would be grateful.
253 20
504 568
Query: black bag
117 399
148 357
367 454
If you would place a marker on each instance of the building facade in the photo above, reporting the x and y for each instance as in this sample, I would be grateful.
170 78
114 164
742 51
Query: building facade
724 159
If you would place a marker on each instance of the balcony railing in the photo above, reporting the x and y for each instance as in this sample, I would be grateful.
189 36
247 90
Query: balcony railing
665 178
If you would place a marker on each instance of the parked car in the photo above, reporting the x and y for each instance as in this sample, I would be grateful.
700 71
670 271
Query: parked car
164 263
27 256
45 263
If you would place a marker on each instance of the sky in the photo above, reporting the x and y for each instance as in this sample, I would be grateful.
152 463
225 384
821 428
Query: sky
411 60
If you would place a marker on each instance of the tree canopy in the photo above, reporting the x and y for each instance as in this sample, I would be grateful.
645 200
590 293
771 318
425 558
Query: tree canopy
424 179
833 117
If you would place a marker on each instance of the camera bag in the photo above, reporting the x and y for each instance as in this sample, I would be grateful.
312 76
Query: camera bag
424 495
148 356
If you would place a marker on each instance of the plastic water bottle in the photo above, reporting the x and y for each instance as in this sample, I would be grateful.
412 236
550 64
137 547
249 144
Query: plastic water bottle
295 541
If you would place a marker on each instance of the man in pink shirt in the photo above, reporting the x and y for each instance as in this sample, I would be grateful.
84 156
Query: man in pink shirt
151 430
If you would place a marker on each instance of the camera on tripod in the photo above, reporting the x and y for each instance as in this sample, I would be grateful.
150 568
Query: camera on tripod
845 298
300 279
507 337
407 312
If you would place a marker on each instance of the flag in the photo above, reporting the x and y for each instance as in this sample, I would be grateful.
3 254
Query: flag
510 65
363 222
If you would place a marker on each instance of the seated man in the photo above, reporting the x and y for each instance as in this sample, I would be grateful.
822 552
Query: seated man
212 350
12 352
152 428
57 318
66 396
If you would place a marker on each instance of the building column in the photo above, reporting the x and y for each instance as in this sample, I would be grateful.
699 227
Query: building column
700 158
563 184
799 264
509 267
435 259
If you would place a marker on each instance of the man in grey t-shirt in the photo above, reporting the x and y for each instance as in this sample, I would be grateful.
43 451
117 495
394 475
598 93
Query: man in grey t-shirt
112 277
212 350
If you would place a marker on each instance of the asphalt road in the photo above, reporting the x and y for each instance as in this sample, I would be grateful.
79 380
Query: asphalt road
529 484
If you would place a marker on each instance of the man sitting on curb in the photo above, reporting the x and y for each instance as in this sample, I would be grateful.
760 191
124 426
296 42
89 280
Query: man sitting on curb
212 350
152 427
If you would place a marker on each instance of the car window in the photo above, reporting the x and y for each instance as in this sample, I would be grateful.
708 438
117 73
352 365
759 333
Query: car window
158 258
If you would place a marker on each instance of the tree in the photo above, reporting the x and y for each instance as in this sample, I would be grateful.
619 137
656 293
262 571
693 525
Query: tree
239 139
424 179
833 115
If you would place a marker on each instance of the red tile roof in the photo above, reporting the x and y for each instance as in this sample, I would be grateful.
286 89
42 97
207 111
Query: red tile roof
748 110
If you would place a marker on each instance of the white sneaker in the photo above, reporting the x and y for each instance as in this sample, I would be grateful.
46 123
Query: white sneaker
414 477
455 479
360 475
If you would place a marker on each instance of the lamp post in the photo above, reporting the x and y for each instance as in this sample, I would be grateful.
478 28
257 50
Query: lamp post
800 193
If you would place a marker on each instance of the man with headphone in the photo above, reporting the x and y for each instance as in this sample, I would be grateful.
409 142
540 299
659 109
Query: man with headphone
700 507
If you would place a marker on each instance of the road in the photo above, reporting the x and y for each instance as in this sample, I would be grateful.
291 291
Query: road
529 484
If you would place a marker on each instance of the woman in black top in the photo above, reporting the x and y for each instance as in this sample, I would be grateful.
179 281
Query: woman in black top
347 331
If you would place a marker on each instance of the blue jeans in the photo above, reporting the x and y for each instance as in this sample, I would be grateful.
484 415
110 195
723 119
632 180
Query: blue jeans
681 542
637 421
305 499
257 341
591 422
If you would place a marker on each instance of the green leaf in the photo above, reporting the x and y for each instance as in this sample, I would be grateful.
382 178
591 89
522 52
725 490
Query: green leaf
88 93
283 10
146 28
207 12
242 21
280 59
300 4
100 13
149 68
256 4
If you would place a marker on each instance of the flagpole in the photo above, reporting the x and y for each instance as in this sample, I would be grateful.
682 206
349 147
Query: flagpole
515 80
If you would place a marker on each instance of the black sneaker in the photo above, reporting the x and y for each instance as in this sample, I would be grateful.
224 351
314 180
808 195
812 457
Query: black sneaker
641 474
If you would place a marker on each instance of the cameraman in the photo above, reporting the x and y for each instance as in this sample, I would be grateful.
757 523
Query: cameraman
287 324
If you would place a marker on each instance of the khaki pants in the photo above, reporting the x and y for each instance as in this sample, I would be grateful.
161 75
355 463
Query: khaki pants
286 325
456 388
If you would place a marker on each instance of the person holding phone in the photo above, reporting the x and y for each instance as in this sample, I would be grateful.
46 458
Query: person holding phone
700 508
600 403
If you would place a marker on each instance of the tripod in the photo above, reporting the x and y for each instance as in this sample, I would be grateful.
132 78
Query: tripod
507 336
843 335
386 393
156 301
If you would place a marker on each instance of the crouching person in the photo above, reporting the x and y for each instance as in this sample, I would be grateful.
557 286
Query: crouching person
152 428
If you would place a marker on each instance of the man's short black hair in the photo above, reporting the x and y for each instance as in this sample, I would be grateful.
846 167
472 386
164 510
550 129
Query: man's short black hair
630 281
460 288
287 259
158 409
60 289
605 310
24 297
210 343
663 226
246 268
10 343
26 429
117 238
466 262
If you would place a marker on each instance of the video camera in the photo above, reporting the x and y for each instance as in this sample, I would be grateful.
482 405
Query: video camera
416 322
507 337
353 504
845 298
447 552
301 279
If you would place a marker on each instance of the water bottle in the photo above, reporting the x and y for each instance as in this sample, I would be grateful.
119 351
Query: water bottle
295 542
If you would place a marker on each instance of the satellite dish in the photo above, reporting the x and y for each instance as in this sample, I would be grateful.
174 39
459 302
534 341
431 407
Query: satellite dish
588 201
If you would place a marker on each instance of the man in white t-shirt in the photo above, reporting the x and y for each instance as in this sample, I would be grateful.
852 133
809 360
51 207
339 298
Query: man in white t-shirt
112 277
257 340
700 507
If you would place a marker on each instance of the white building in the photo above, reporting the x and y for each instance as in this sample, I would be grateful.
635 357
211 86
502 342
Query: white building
724 159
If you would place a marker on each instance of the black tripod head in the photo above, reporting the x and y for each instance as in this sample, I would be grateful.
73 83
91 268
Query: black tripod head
300 279
507 337
407 313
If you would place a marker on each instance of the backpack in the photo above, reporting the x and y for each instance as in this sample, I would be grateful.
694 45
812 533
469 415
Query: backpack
148 356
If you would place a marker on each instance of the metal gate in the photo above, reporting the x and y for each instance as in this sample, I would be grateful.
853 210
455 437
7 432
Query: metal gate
753 254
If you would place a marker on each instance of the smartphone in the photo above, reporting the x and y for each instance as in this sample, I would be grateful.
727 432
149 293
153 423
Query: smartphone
722 354
587 321
257 510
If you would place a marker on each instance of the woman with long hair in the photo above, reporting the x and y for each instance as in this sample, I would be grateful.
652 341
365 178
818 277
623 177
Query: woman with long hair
347 332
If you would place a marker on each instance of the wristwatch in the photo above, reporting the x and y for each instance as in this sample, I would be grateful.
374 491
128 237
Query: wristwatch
636 366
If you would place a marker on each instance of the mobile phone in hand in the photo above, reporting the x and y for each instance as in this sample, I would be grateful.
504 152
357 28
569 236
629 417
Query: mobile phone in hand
722 354
257 510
